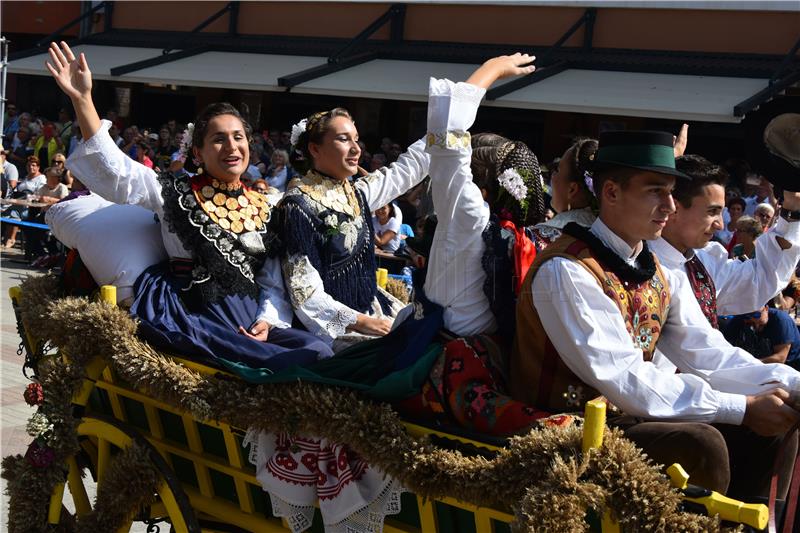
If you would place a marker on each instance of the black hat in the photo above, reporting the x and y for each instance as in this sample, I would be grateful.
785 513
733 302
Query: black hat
644 150
772 138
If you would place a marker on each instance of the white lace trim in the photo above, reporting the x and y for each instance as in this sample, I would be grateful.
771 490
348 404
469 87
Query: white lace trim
337 324
368 519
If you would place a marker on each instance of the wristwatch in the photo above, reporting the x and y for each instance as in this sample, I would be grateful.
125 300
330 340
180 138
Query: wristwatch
791 216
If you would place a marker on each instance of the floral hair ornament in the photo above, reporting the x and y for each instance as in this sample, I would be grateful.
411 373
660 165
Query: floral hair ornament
514 184
297 130
186 142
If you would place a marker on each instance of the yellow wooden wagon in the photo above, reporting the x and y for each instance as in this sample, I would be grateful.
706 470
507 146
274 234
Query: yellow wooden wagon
204 481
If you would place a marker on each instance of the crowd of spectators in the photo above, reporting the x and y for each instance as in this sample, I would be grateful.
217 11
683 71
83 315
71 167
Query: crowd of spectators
35 149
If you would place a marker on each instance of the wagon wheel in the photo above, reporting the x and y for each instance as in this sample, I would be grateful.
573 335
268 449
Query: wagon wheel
101 437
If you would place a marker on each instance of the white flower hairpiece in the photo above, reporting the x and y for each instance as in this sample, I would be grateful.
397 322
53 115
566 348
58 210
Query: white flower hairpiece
512 182
186 141
297 130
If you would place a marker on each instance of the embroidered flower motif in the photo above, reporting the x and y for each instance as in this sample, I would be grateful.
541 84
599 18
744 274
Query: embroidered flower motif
512 182
350 232
186 141
297 130
644 338
573 396
331 221
449 140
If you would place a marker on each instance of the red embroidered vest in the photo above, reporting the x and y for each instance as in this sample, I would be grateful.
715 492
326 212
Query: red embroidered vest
538 376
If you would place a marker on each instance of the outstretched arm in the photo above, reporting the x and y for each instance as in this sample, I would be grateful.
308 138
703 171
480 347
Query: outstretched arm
501 67
75 79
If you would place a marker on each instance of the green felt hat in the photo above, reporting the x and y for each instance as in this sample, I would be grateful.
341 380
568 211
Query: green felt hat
644 150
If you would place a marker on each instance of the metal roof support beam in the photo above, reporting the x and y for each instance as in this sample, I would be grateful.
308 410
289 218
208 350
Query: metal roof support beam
776 84
229 8
785 63
56 34
588 18
313 73
159 60
108 17
773 89
342 59
394 13
540 74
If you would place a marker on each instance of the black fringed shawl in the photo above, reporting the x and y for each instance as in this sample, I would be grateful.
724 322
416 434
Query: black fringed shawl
348 276
222 265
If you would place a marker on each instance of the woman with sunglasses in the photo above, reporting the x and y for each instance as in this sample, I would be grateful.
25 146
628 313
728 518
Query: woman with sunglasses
221 297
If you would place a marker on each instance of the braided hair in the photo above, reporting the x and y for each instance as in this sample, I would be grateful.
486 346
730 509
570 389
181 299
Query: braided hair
492 155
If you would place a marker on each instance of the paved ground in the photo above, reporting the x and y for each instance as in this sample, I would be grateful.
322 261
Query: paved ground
14 412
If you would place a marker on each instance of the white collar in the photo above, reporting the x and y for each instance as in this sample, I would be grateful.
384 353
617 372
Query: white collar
615 242
669 256
583 217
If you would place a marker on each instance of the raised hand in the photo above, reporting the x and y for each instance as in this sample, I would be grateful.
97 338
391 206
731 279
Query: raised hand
681 141
71 74
501 67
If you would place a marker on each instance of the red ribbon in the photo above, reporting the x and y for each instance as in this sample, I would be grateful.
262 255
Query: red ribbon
524 253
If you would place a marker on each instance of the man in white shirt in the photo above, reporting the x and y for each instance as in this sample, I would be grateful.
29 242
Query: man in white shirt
592 308
724 286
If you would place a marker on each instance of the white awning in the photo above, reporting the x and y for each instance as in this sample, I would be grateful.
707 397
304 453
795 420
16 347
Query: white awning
210 69
637 94
669 96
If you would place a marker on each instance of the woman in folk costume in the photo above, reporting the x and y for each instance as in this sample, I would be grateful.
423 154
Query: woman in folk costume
329 250
486 190
220 297
572 198
329 269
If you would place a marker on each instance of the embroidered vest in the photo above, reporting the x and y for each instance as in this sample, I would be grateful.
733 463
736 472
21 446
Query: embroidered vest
704 289
538 374
331 224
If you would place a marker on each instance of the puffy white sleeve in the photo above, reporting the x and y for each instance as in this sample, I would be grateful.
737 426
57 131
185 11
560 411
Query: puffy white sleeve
387 183
317 310
696 348
106 170
273 303
455 276
764 276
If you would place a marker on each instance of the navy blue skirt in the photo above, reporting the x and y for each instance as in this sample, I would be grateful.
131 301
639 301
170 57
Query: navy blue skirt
211 331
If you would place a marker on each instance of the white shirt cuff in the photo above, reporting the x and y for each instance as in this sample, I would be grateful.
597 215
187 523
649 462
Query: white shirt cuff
788 230
452 108
731 408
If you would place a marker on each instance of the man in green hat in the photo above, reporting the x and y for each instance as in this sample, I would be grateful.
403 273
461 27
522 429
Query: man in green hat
596 302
